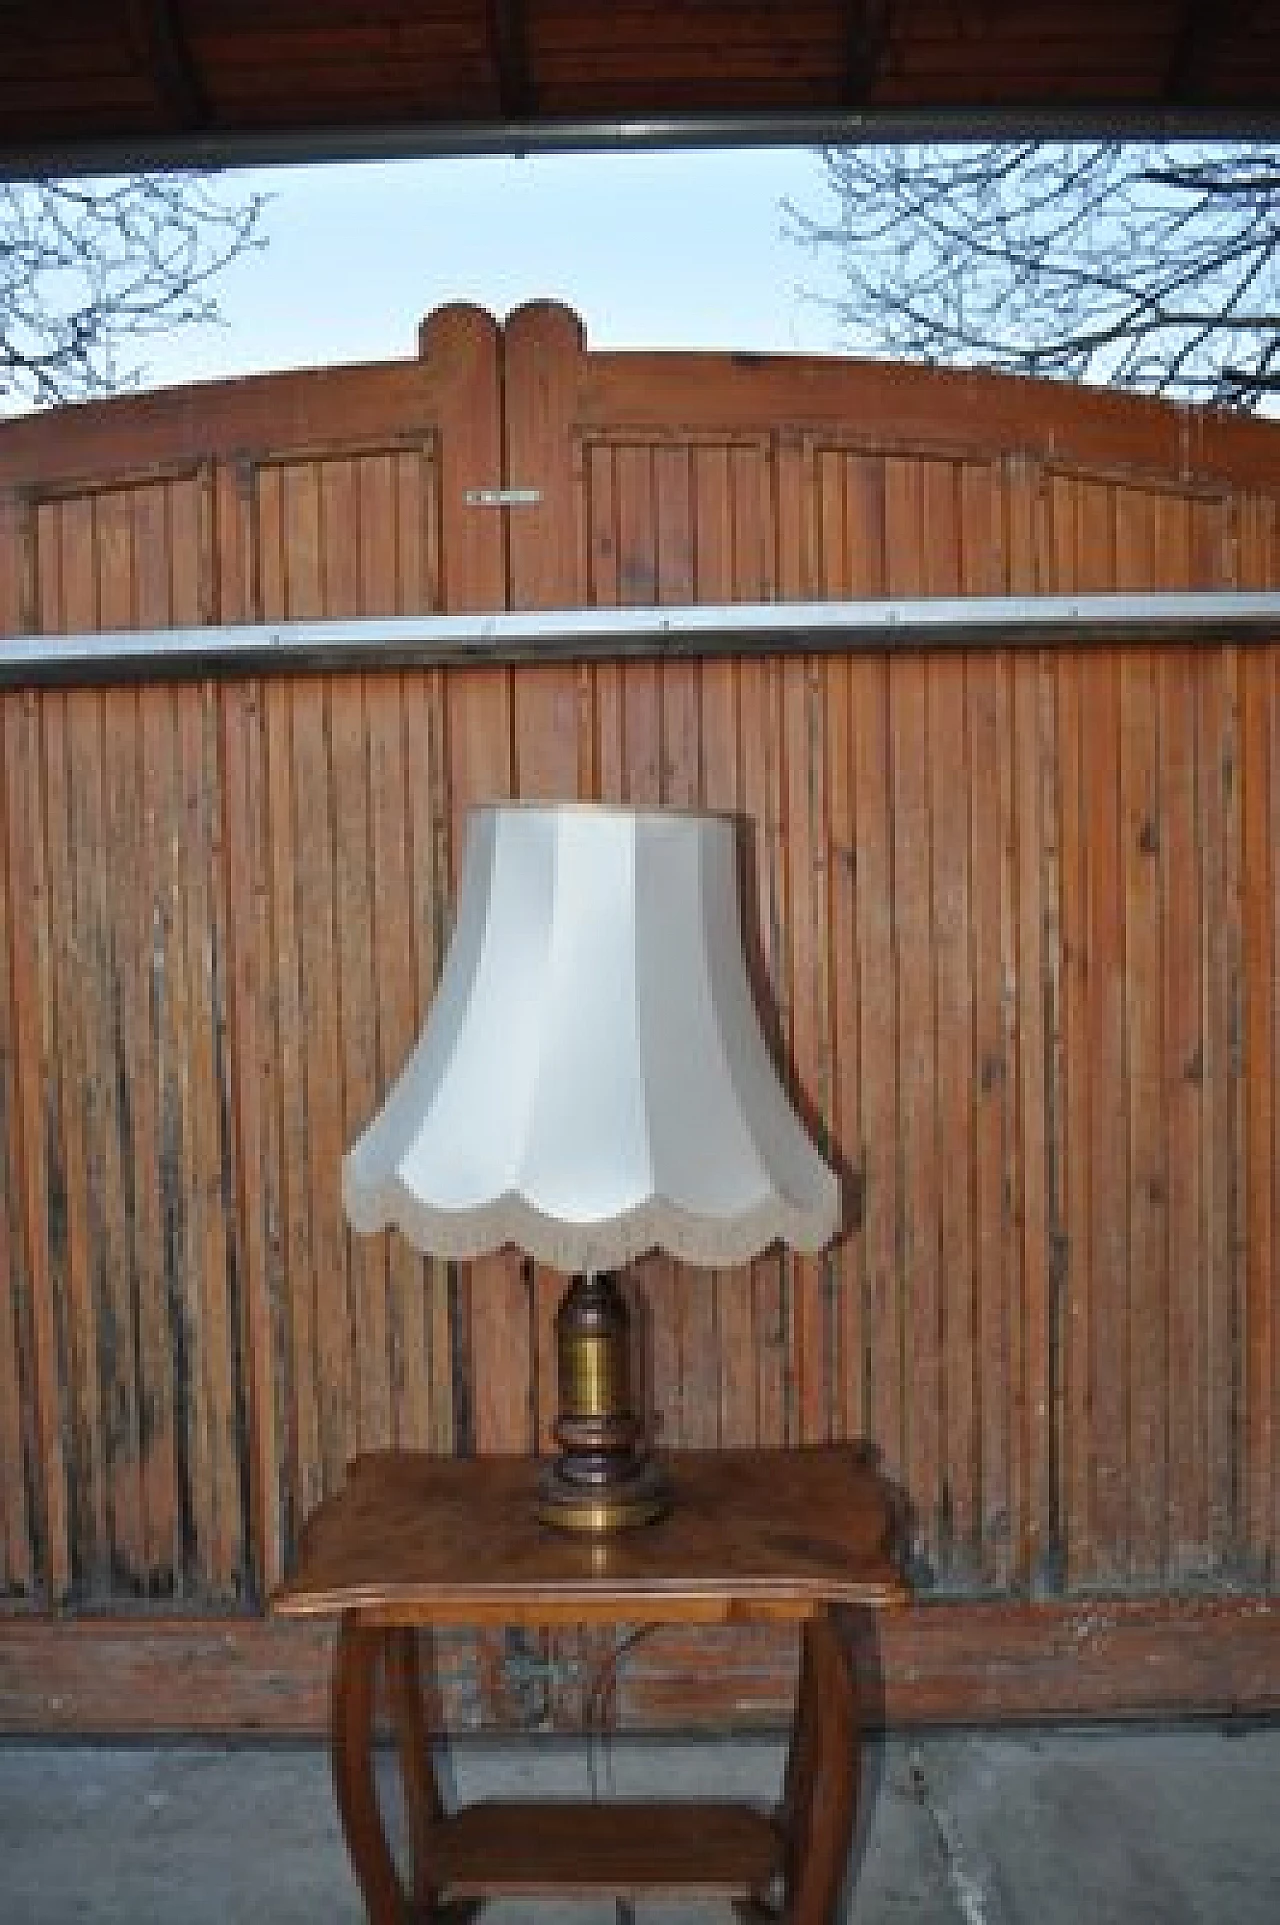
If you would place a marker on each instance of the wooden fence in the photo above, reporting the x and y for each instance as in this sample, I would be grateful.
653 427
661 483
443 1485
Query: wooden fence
1019 914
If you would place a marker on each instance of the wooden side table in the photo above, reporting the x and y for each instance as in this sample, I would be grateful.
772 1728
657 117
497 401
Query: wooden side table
413 1541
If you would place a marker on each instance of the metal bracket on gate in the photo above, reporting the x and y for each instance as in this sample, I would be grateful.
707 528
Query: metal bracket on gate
502 497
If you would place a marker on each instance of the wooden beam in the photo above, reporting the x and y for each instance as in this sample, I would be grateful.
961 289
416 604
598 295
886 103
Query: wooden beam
1190 73
157 33
984 1663
866 48
511 59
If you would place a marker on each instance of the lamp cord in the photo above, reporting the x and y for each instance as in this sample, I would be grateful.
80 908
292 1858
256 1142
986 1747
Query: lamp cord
601 1698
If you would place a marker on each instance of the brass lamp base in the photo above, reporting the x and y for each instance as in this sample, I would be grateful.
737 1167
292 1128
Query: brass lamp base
616 1505
603 1480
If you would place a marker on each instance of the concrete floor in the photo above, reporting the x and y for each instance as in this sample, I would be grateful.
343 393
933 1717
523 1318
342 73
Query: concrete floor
1179 1825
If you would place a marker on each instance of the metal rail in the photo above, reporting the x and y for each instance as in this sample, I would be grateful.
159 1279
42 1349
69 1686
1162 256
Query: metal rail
413 140
609 634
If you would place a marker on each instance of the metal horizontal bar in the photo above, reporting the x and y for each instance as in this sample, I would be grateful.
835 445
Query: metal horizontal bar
603 634
414 140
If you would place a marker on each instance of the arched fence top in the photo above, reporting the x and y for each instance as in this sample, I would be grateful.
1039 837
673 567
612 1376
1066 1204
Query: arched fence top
890 406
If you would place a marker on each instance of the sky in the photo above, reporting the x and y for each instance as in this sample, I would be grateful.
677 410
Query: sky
661 250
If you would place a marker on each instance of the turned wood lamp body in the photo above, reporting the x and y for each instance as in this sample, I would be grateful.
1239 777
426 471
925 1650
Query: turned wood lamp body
593 1082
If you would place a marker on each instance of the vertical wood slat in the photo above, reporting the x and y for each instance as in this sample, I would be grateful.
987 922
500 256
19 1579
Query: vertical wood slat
157 1157
1059 563
344 523
396 1372
1017 922
755 1301
919 1222
429 1395
67 598
1219 1331
318 1143
683 777
250 1054
1029 921
26 879
882 1326
844 1335
1260 853
1260 561
108 852
541 353
718 756
990 736
1141 827
1109 1357
21 1438
64 1195
490 1327
1181 1103
197 1273
811 1415
403 725
297 1266
988 568
431 1402
213 1254
18 1525
950 890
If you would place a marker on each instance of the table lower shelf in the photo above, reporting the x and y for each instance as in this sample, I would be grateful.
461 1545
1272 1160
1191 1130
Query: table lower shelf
507 1850
788 1869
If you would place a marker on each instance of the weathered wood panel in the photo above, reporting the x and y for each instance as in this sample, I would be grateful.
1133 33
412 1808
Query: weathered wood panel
989 1660
125 1161
1045 1031
1016 914
194 876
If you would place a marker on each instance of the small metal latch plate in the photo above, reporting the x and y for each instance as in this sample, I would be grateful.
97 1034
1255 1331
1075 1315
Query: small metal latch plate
503 497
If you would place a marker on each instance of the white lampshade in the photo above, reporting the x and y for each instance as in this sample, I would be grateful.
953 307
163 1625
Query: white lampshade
593 1081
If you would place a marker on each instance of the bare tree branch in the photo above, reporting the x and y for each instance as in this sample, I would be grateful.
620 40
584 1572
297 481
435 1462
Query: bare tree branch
89 270
1147 267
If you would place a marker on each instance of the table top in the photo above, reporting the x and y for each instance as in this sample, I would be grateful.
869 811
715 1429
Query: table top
412 1538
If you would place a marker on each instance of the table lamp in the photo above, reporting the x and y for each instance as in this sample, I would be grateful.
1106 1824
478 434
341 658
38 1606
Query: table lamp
593 1082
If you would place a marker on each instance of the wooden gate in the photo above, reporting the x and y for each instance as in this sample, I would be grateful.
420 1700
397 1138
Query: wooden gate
1019 917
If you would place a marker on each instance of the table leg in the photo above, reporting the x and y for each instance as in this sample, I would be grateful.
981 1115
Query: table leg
359 1650
355 1669
820 1791
424 1808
